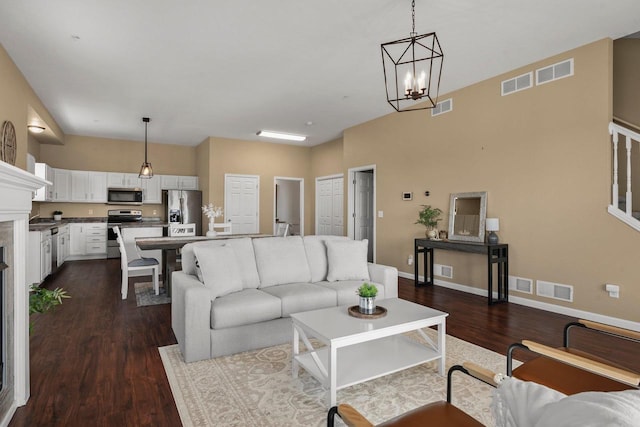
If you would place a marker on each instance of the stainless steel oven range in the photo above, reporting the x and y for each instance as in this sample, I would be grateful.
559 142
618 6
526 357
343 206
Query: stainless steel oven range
118 217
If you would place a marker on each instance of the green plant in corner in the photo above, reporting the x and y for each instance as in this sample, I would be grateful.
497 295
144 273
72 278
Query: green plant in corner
429 216
42 300
367 290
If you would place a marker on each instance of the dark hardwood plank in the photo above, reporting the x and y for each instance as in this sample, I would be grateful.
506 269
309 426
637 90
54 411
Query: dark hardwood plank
95 360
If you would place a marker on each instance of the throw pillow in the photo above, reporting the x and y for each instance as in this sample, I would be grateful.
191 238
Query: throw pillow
347 260
220 269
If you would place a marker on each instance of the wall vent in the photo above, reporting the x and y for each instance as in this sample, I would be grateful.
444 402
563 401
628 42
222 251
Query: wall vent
442 107
520 284
443 271
554 72
554 290
516 84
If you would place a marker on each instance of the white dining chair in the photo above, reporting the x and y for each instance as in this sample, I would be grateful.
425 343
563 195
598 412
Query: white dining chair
136 264
282 230
224 226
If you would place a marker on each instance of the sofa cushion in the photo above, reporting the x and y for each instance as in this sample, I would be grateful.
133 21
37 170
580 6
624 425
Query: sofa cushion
220 269
347 260
346 290
243 249
296 297
281 260
243 308
316 250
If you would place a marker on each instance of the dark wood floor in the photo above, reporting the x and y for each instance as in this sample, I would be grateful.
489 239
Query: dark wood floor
95 360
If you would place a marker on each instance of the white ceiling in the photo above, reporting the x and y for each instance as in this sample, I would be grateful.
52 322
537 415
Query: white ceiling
226 68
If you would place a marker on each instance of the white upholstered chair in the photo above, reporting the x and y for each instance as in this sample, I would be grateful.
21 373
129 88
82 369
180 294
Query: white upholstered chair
139 263
282 230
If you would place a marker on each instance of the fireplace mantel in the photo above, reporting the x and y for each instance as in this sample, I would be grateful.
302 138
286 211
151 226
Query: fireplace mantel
16 191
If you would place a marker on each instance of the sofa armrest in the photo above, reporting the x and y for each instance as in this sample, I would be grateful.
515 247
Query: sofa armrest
387 276
191 316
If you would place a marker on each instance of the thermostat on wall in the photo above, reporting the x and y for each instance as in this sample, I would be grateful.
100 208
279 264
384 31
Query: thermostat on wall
407 195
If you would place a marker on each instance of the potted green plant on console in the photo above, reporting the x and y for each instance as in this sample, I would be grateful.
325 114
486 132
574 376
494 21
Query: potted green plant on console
429 217
367 293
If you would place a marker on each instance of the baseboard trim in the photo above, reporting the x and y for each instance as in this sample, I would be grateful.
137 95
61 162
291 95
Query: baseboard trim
9 415
567 311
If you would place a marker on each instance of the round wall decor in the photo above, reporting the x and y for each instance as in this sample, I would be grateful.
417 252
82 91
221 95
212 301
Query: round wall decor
8 145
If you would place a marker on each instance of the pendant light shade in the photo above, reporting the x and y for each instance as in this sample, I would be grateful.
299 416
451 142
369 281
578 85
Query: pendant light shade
146 171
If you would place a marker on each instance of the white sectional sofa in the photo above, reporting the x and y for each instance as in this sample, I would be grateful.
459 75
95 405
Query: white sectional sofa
237 294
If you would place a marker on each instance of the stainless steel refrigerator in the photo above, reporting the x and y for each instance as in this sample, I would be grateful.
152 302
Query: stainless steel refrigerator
184 207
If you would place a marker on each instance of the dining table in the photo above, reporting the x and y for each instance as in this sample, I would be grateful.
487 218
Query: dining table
171 247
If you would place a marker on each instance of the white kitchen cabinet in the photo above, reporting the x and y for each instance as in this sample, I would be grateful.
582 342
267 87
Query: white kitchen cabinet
129 235
88 240
88 186
179 182
39 260
151 190
123 180
62 185
63 245
45 194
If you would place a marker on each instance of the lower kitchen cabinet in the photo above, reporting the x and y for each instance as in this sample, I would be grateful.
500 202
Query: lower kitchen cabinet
88 240
39 260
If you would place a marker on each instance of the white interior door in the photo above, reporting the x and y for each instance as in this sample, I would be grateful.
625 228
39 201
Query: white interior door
329 206
363 208
241 203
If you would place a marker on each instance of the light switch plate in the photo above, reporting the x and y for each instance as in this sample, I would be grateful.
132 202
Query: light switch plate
407 195
380 214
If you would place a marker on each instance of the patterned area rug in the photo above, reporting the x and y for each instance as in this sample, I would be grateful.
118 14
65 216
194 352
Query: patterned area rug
145 295
256 388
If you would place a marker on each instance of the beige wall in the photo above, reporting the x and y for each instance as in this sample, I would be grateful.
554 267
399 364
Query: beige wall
113 155
233 156
326 160
543 155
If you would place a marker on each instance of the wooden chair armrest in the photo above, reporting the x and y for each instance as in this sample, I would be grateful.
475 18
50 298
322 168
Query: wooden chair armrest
483 374
634 335
584 363
352 417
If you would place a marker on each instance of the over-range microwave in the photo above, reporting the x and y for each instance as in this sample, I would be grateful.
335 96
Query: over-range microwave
124 196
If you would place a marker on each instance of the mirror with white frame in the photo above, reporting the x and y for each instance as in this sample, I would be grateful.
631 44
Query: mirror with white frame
467 216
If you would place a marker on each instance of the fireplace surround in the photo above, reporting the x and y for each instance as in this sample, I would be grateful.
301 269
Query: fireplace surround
16 191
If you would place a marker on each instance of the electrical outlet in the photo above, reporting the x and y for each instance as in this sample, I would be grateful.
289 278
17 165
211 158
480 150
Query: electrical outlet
614 290
155 212
410 260
90 211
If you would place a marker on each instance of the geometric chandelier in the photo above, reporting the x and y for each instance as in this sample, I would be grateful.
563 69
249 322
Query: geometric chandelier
412 69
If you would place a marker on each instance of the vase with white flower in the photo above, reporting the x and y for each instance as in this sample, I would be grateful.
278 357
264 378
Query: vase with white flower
212 212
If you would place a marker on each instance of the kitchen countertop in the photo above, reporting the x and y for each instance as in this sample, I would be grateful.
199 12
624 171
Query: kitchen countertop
44 224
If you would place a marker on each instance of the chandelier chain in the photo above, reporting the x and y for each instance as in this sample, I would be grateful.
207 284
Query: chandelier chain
413 15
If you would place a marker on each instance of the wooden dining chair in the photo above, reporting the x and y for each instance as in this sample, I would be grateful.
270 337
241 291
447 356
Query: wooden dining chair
136 264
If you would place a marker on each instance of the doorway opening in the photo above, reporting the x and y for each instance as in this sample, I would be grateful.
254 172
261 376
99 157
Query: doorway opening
361 206
288 204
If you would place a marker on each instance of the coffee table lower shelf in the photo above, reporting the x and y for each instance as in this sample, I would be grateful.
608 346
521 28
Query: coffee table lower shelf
369 360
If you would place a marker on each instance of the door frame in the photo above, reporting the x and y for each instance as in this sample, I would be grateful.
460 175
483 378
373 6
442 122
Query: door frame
351 204
288 178
318 179
229 175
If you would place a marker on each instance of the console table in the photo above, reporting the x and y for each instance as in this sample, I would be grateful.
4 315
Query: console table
496 254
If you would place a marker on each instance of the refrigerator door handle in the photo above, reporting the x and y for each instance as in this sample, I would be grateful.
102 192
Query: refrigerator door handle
181 210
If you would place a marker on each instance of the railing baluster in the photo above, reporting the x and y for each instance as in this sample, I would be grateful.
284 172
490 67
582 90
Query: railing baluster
628 195
614 186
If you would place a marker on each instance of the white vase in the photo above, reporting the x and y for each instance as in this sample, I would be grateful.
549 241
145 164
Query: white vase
212 232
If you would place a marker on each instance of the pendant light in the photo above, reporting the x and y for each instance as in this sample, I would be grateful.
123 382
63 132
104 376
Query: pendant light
412 69
146 171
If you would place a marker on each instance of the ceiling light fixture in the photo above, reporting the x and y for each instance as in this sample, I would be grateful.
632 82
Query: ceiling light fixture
36 128
146 171
280 135
412 69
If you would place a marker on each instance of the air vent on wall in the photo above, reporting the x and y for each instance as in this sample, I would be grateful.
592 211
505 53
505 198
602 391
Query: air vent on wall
442 107
520 284
443 271
554 290
516 84
554 72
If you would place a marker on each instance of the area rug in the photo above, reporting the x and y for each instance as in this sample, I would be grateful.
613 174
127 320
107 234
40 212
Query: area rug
256 388
145 295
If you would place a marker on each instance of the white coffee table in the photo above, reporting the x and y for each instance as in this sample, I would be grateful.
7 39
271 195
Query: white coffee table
358 350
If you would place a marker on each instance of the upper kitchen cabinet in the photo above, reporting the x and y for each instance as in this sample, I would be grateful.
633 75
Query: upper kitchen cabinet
123 180
151 190
62 185
87 186
45 194
177 182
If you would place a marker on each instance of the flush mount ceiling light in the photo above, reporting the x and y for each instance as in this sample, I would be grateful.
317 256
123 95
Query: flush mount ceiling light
280 135
35 128
146 171
412 69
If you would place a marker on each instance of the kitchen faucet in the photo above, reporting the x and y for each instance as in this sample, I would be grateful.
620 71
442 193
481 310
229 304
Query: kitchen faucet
33 217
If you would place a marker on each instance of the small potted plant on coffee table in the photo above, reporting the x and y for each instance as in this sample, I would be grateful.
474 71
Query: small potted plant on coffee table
367 293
